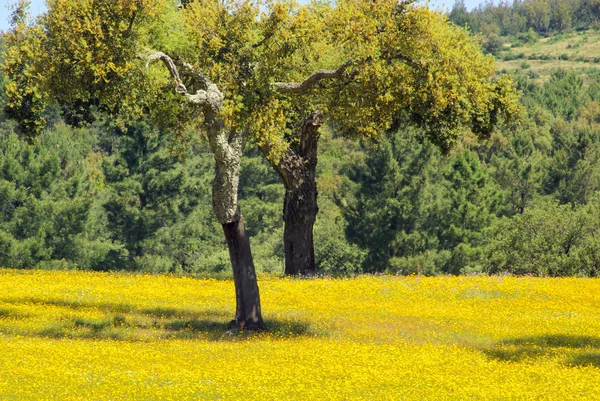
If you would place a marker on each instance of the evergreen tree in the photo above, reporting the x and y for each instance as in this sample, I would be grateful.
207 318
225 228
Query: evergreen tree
158 200
49 214
413 210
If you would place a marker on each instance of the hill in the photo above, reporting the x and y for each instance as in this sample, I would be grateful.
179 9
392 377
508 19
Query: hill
578 51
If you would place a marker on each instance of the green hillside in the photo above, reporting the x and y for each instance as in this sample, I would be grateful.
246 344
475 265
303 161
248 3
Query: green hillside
576 51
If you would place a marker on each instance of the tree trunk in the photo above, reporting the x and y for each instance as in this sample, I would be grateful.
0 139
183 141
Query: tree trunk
227 152
227 149
297 169
299 215
247 312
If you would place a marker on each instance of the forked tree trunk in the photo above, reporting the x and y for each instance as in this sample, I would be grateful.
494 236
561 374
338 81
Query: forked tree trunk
297 169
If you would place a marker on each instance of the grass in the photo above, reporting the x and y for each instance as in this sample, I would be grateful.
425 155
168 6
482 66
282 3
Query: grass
76 335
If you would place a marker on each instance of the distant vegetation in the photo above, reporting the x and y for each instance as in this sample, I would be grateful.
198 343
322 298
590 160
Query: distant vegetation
525 201
525 21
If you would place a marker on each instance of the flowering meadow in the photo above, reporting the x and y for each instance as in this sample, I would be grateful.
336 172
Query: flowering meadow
99 336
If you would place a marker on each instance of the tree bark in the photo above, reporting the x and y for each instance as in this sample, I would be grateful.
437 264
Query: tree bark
299 214
247 312
227 152
297 169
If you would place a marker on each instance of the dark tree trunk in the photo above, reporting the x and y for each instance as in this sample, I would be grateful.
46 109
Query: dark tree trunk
247 312
299 215
297 169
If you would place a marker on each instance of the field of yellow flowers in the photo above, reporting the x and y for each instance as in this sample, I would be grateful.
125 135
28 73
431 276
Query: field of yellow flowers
96 336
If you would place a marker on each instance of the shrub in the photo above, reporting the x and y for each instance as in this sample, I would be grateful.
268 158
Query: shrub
547 240
428 263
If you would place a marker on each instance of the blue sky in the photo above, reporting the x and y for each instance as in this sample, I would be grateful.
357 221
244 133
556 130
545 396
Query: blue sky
38 6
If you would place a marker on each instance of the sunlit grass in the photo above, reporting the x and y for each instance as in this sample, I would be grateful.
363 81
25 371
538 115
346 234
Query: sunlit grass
75 335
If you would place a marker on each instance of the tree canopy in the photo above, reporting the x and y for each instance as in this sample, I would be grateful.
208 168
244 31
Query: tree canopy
364 63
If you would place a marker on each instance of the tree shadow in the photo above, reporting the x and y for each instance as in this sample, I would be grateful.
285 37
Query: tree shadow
586 359
127 322
579 350
6 313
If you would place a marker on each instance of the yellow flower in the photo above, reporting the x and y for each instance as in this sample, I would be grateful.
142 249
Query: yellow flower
106 336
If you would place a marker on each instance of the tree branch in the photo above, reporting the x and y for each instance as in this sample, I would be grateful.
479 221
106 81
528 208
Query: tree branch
189 70
211 97
312 80
168 62
131 21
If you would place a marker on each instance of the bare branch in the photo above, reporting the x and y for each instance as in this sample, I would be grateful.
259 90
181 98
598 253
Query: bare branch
407 60
168 61
311 81
212 97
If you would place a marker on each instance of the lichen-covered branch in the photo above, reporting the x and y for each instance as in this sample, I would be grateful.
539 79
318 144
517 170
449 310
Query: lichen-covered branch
190 71
168 62
212 97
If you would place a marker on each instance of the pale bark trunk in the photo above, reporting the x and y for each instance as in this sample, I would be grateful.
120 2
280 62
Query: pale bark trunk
227 152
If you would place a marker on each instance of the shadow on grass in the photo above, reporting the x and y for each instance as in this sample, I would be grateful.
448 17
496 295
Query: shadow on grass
11 314
129 323
579 350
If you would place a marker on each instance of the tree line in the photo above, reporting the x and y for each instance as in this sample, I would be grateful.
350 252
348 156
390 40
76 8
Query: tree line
523 202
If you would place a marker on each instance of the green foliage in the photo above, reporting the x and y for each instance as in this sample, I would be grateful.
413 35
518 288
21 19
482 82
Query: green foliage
261 194
25 96
124 193
385 200
158 203
334 254
411 210
416 80
517 162
261 198
563 93
49 194
107 198
547 240
573 174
